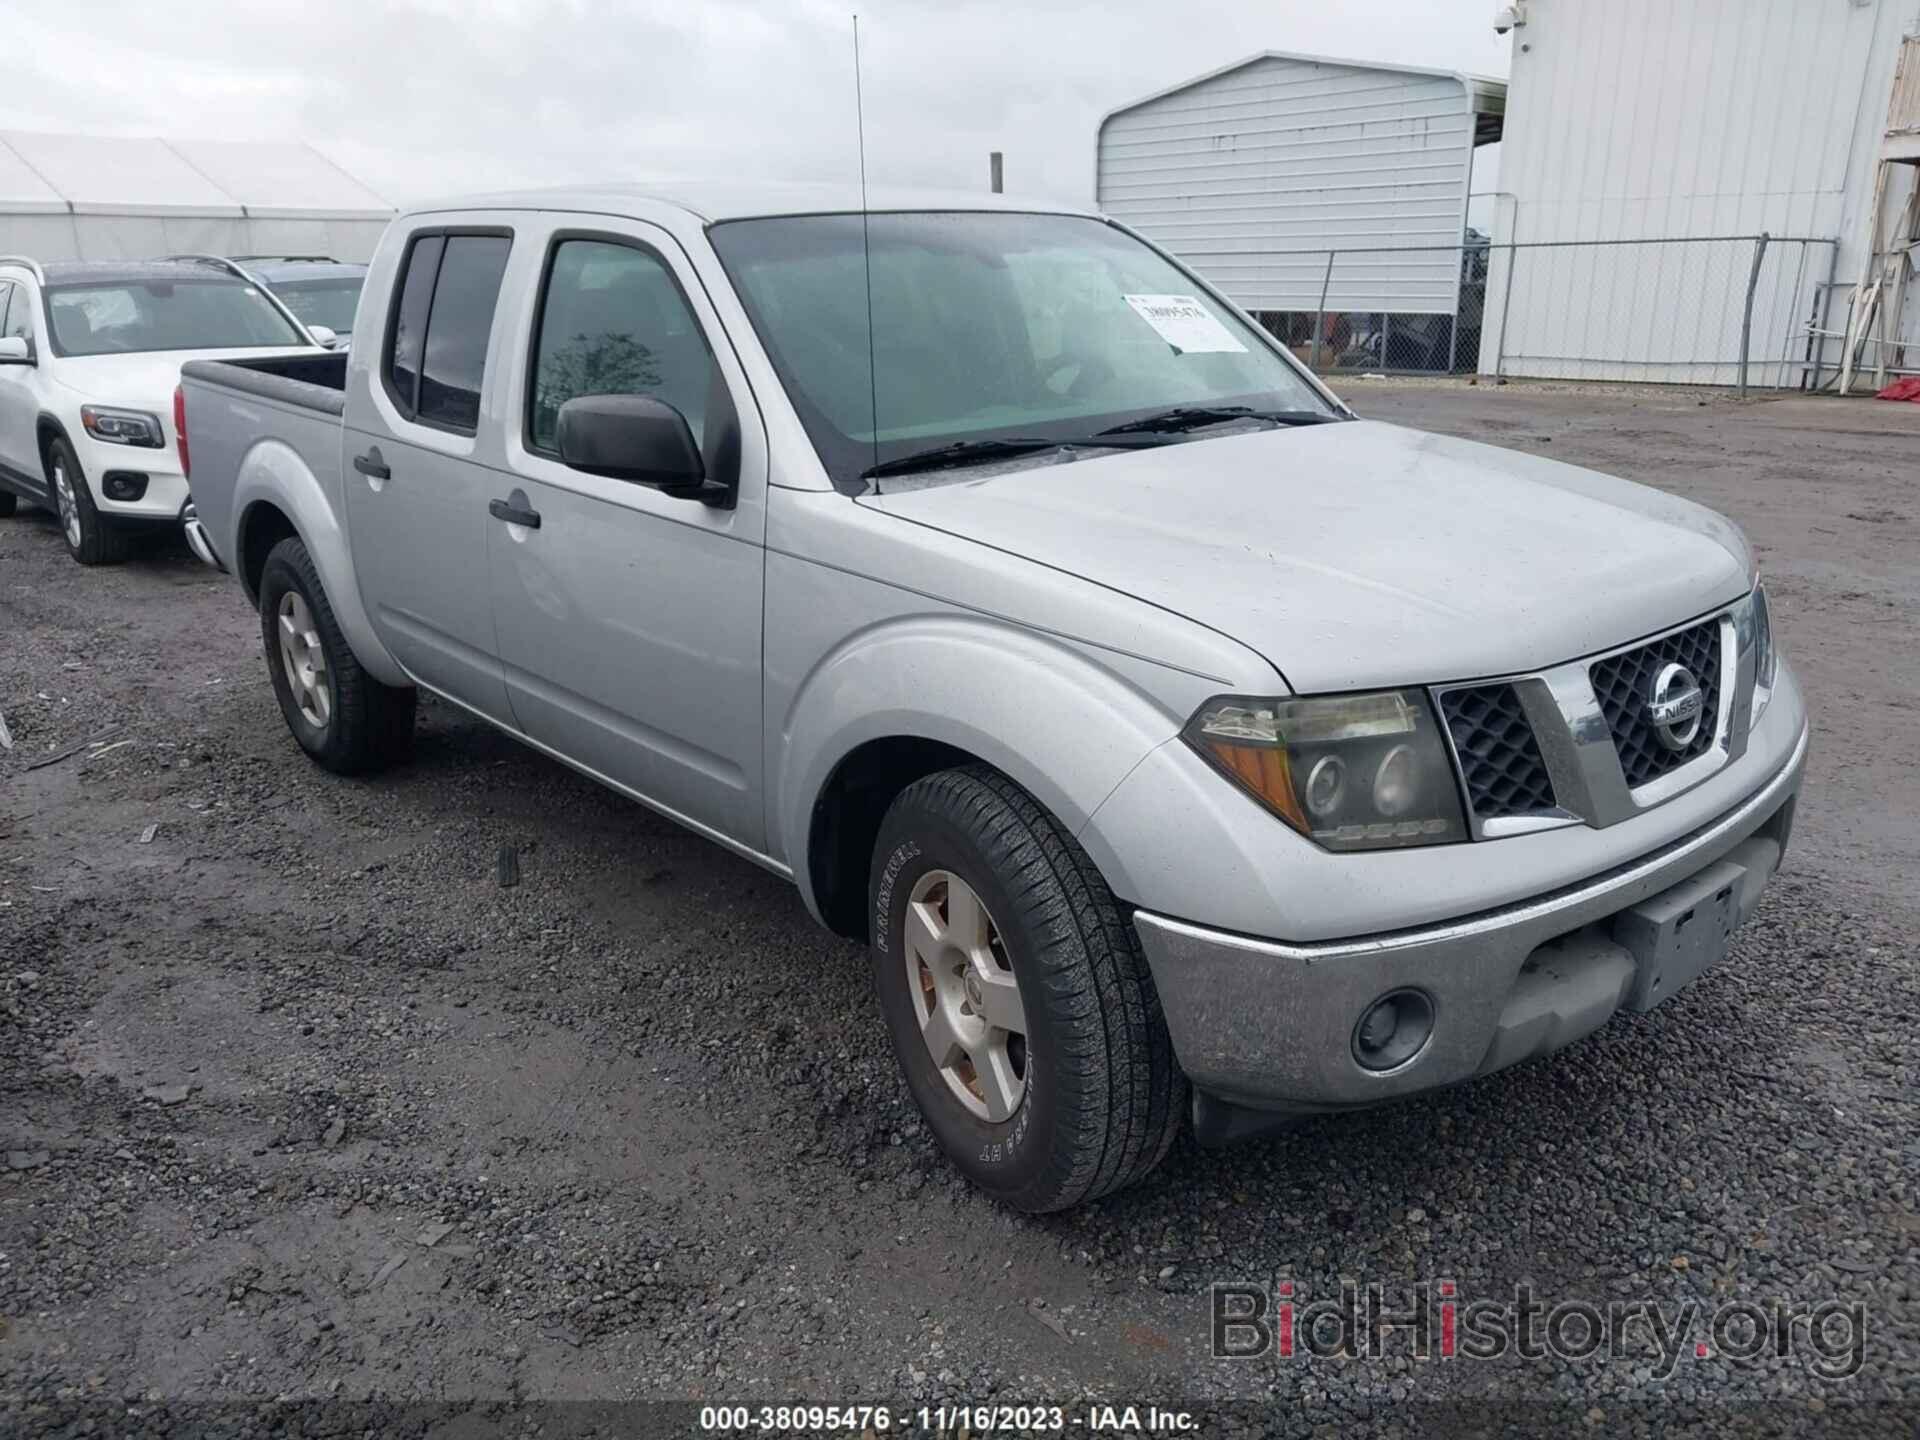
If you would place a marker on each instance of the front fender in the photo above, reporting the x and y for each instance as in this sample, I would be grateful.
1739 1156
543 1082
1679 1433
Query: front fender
1052 718
272 473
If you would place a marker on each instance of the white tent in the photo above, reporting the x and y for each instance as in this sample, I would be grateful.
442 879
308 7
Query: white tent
91 197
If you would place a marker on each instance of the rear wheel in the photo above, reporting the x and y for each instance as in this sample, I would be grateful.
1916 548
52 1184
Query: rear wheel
345 719
9 502
91 539
1019 1004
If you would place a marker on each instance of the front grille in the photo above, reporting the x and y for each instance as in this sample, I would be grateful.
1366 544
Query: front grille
1623 684
1499 758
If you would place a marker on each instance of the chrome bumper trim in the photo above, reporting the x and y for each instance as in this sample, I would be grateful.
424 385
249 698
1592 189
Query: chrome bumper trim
197 540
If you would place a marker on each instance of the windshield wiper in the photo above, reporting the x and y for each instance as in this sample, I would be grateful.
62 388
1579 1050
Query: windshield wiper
1140 432
1193 417
961 452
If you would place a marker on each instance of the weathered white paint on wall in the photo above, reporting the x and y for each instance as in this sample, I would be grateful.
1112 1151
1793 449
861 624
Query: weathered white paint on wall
1246 172
1647 118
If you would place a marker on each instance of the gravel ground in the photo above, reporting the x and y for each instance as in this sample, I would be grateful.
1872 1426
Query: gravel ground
301 1109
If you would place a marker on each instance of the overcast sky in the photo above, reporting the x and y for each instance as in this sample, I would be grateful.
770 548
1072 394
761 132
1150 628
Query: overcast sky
426 97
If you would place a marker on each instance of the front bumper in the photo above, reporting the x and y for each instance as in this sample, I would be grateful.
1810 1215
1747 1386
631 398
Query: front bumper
162 493
1269 1026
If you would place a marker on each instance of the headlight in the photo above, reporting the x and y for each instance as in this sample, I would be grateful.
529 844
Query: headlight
1351 772
123 427
1754 625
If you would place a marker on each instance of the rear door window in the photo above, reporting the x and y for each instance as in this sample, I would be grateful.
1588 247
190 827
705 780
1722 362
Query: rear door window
410 322
436 360
457 328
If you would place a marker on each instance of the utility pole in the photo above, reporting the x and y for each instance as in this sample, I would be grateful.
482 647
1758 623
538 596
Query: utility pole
995 172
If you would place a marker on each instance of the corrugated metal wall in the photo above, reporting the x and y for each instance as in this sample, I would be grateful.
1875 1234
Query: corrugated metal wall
1286 154
1643 118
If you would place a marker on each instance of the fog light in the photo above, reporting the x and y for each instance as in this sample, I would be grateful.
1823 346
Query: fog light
123 484
1392 1030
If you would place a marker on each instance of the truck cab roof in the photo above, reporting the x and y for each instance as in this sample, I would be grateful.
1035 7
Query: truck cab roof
714 201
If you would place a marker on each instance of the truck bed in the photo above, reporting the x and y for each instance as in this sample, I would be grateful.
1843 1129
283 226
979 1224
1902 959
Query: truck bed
267 432
313 382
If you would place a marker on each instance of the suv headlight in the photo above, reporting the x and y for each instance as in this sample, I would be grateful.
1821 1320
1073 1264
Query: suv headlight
1350 772
123 427
1754 625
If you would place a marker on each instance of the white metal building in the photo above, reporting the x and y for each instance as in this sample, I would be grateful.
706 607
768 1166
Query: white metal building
84 197
1246 172
1630 119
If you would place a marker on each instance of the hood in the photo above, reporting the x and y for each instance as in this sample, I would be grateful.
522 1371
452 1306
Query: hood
1362 554
145 381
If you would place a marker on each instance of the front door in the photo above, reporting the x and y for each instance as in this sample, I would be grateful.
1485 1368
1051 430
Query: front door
629 621
19 404
415 480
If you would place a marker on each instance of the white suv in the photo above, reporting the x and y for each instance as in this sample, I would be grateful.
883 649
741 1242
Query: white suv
90 355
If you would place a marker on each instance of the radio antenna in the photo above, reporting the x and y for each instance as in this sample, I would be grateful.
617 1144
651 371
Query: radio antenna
866 241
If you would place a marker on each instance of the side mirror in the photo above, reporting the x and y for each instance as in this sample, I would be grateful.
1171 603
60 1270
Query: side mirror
16 350
639 439
324 335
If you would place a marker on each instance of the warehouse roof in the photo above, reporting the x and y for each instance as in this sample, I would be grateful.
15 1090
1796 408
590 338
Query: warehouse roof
120 175
1486 93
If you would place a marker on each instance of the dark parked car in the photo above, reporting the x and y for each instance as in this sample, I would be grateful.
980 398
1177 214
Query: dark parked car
317 288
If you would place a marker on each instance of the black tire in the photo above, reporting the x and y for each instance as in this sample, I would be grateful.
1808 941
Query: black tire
367 726
1103 1095
101 542
9 502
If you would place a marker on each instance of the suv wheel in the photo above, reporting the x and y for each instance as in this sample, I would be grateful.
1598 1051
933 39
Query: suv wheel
90 539
344 718
1020 1006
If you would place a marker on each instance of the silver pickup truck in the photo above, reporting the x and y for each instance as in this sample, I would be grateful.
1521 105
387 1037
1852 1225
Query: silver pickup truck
1183 747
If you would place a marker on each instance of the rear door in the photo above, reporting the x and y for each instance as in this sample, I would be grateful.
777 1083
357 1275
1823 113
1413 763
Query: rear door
629 621
415 474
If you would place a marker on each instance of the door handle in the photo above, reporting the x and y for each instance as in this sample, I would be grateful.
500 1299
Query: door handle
514 514
372 466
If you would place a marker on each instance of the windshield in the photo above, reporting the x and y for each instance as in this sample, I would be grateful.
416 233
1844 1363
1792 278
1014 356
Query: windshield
125 316
987 326
323 302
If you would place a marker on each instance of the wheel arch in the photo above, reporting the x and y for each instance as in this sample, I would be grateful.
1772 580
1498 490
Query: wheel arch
47 428
894 704
263 525
277 496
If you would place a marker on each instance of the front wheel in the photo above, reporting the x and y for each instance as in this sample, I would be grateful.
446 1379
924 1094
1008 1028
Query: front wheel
1018 1000
345 719
90 538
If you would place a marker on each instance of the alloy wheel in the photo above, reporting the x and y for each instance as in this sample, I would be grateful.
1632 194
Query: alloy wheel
965 997
305 661
69 506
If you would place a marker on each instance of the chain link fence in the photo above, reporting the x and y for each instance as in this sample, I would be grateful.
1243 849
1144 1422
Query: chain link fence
1711 310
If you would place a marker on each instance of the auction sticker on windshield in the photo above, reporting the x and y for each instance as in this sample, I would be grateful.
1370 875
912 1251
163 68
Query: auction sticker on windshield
1185 324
